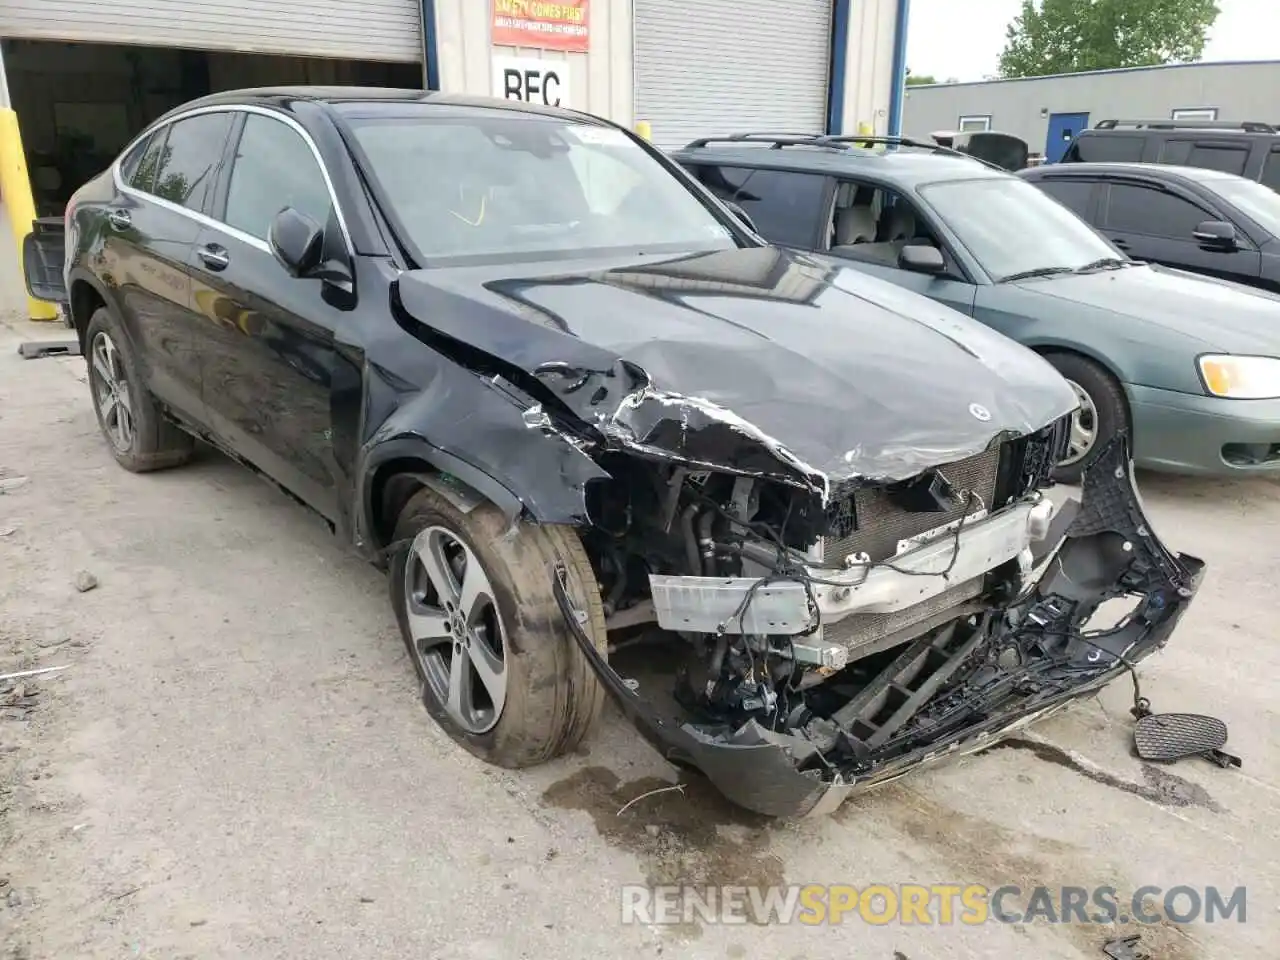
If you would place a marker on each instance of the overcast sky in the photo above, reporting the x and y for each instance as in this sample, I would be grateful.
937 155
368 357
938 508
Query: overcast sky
962 39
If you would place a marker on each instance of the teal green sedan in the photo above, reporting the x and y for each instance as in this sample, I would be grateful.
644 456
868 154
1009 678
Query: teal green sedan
1189 365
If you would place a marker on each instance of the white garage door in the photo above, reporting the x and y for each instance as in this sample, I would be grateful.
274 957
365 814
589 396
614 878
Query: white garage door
348 29
725 66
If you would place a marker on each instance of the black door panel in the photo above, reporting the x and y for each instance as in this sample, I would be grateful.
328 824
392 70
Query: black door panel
268 337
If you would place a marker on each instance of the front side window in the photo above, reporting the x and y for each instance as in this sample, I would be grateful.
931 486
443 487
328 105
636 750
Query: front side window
185 166
499 186
1271 170
785 207
273 169
1010 227
1153 212
1256 201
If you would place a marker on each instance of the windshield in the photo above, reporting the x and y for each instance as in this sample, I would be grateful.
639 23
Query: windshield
1260 204
1011 227
514 186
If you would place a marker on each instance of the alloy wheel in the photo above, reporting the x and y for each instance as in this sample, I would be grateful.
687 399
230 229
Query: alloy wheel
111 392
457 630
1084 427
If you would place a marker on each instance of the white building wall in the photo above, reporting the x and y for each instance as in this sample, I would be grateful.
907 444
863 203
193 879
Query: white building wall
600 81
869 65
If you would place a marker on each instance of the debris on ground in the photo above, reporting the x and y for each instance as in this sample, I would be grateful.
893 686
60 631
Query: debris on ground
1126 948
8 484
85 581
31 673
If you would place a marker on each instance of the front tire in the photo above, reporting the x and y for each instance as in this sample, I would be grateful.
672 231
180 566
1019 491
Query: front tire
140 438
500 671
1103 413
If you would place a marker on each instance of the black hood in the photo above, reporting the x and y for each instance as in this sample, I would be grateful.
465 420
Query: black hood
745 358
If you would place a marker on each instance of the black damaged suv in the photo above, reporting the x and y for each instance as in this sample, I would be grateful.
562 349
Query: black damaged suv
523 361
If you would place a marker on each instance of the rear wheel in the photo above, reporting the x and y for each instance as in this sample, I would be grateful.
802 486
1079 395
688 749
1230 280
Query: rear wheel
1103 413
500 671
137 432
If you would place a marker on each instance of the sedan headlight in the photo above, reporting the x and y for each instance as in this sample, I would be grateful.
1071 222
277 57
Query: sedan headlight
1241 378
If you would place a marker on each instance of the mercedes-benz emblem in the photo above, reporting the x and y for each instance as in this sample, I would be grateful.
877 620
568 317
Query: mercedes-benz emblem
980 412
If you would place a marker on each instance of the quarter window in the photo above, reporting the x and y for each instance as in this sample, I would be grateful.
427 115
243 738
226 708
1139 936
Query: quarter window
143 176
1134 209
274 168
184 169
785 207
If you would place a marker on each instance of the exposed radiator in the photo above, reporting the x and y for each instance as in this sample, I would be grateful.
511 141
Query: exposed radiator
881 523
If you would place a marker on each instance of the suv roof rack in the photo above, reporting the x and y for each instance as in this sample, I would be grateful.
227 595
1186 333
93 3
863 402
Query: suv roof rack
839 142
1248 126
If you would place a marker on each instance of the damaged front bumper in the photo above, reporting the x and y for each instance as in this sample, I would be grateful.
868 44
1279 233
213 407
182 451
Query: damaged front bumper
1009 666
967 549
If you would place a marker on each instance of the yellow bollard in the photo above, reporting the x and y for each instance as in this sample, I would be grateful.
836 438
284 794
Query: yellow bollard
15 193
644 129
867 130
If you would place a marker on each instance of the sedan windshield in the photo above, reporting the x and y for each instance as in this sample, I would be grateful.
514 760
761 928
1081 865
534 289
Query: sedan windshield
509 186
1014 229
1260 204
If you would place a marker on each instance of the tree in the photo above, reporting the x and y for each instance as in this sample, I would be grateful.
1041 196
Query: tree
1069 36
918 79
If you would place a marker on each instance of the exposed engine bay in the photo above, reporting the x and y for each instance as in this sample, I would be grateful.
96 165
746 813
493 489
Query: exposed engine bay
828 646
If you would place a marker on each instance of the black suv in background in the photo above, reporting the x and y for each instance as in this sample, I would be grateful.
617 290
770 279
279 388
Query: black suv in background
1244 148
1200 220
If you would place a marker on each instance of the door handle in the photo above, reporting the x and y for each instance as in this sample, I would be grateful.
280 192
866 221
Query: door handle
120 219
214 256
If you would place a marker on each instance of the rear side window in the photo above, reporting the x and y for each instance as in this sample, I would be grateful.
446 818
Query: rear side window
1108 148
1072 194
1153 212
785 207
1212 156
185 167
273 169
1271 170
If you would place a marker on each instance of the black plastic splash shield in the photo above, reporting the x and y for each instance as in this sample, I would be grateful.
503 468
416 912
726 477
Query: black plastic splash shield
758 770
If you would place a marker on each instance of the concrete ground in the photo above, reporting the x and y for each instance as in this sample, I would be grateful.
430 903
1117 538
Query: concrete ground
234 763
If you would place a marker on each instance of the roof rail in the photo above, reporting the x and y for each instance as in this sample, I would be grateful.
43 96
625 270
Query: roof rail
1249 126
839 142
778 140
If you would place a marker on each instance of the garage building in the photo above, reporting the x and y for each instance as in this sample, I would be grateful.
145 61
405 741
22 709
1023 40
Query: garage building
1047 112
84 76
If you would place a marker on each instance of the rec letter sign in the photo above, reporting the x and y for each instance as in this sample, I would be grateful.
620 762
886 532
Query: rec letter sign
532 80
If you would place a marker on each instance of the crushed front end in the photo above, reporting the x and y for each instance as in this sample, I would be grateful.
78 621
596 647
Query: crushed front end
833 642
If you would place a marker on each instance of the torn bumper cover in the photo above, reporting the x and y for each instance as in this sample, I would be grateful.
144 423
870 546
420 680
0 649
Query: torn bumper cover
1016 662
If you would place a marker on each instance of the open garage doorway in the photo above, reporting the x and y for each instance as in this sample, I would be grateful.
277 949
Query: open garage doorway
78 104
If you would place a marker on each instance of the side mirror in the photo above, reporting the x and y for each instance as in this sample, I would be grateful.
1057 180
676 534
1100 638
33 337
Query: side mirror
741 214
296 241
919 258
1216 234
